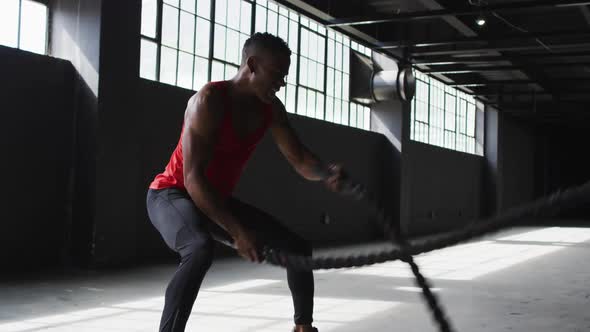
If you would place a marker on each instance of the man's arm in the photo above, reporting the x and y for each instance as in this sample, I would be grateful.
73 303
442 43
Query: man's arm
302 160
202 124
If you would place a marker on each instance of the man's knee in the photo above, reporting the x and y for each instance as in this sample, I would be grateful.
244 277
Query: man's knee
198 252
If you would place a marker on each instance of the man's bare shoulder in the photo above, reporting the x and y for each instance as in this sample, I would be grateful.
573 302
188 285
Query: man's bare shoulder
205 105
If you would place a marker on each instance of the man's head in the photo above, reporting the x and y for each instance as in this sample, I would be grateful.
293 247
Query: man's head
266 58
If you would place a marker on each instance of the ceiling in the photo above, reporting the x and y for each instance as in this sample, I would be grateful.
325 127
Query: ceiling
531 59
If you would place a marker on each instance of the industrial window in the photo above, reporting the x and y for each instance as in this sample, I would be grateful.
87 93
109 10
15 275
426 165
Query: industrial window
443 116
177 48
23 25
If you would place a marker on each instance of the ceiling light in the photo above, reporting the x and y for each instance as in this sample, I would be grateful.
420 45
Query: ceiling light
480 20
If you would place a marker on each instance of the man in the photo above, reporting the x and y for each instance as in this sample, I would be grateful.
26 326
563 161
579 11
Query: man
190 203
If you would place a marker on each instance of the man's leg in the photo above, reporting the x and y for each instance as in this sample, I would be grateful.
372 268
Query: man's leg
181 225
272 233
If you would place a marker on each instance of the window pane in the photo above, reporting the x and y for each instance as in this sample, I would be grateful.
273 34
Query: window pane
187 32
201 69
219 42
293 32
149 13
204 8
311 103
188 5
329 109
203 34
331 47
338 111
302 101
353 115
337 84
170 26
220 11
246 17
344 113
217 71
292 77
233 14
312 46
272 22
311 74
322 50
290 90
330 82
147 60
345 86
232 46
230 71
283 27
346 59
172 2
338 56
303 71
9 19
243 39
33 29
185 70
319 114
168 65
260 19
304 43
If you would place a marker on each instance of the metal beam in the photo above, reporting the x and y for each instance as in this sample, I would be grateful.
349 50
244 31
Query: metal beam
464 70
494 48
447 60
480 40
432 14
480 82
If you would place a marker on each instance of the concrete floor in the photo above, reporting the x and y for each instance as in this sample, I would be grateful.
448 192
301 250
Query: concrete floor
525 279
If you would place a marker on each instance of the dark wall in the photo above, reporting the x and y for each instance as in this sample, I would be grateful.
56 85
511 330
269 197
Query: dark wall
518 157
270 183
562 162
36 134
75 36
445 187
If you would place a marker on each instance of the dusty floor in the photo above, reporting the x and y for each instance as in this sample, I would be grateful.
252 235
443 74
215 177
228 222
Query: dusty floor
525 279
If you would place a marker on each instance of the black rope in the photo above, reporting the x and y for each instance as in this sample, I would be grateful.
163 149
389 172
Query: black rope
548 206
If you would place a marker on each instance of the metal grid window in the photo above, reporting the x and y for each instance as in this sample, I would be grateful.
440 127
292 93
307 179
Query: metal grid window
182 45
312 55
23 25
233 25
443 116
175 43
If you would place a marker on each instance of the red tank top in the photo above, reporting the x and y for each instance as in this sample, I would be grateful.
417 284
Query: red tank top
230 153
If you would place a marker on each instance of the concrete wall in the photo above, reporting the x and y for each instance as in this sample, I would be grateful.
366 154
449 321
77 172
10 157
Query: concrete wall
36 147
518 169
444 187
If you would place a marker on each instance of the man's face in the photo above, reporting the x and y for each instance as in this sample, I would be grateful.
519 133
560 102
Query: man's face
270 75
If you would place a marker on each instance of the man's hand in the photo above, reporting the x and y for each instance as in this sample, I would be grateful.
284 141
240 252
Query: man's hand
337 176
245 242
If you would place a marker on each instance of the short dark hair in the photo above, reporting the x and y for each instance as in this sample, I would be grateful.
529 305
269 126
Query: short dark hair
265 41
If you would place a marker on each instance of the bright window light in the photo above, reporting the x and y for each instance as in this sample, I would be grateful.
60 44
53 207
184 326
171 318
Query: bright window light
23 24
213 311
238 286
9 11
473 260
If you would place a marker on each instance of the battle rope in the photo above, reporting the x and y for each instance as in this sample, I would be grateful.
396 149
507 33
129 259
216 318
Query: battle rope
542 207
